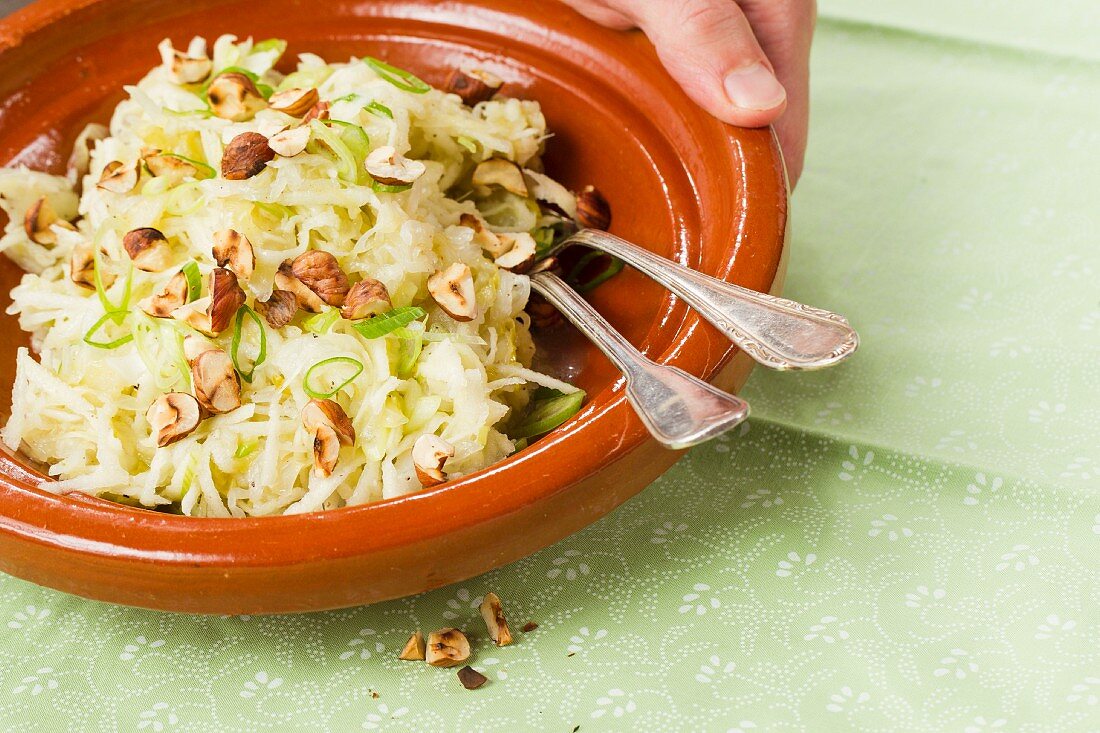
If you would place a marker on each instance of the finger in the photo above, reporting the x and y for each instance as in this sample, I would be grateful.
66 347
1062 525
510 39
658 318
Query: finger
784 29
601 13
709 48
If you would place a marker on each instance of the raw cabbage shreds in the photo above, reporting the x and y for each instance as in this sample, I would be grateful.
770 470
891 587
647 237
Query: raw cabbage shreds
81 408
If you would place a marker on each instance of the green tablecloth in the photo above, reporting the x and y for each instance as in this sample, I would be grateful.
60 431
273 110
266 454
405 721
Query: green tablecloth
907 542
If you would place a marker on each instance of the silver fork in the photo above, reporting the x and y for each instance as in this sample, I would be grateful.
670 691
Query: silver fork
679 410
776 332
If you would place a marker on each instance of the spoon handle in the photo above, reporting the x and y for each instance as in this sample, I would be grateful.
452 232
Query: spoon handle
679 410
778 333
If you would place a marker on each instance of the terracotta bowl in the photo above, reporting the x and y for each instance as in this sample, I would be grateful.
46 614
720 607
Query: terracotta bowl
692 189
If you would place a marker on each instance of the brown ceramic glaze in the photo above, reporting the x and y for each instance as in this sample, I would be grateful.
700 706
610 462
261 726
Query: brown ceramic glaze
678 181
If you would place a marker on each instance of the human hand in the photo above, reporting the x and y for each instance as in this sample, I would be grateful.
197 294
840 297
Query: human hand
745 61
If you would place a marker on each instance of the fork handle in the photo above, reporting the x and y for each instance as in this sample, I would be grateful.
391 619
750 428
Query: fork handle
778 333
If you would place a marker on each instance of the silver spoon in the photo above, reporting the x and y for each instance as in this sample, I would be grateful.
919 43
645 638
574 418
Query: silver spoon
776 332
679 410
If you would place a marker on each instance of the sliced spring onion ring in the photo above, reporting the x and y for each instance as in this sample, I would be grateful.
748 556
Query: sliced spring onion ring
108 306
118 317
467 142
384 323
410 342
316 394
246 449
190 271
332 141
305 78
321 322
614 267
384 188
183 200
235 344
403 80
269 44
548 413
377 108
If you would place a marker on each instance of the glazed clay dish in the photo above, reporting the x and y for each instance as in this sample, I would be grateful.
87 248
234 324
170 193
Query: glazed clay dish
678 181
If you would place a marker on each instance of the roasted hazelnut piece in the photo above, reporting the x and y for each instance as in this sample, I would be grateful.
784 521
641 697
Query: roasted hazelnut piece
331 428
291 141
233 96
148 248
173 417
320 272
429 455
521 252
543 314
233 250
279 309
82 266
319 111
194 346
172 296
81 157
306 299
366 298
483 237
246 155
294 102
453 290
593 211
390 169
414 648
213 314
171 167
470 678
550 193
500 172
493 614
118 177
38 220
447 648
190 69
217 385
473 85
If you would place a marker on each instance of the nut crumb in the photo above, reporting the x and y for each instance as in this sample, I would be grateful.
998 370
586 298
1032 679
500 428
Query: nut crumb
529 627
470 678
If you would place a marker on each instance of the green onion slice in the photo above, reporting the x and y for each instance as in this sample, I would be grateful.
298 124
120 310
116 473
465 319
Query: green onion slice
467 142
246 448
117 311
190 271
400 78
384 188
321 322
269 44
546 414
379 109
235 344
389 321
614 267
116 316
308 388
410 342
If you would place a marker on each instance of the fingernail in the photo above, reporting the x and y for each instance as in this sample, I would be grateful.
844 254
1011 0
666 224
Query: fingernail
754 87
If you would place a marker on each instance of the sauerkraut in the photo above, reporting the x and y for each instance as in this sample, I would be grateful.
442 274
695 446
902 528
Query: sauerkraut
404 368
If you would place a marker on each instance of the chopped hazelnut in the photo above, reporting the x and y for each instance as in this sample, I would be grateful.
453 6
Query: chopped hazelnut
233 250
367 297
319 111
82 267
38 220
279 308
81 158
551 193
493 614
470 678
118 177
217 385
173 417
245 156
291 141
165 302
330 427
233 96
520 255
170 166
390 169
194 346
473 85
453 290
483 236
190 69
447 648
320 272
500 172
148 248
213 314
429 455
414 648
593 211
294 102
307 299
529 627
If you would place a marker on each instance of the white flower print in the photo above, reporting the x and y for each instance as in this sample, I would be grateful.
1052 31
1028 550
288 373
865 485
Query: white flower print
764 497
1073 267
1053 625
850 466
1010 346
1089 320
974 298
491 662
980 485
151 718
957 664
262 681
698 600
885 526
1044 410
360 646
981 723
381 714
956 441
131 651
1096 524
583 637
839 700
786 567
827 630
832 414
28 615
462 601
665 533
1018 558
617 702
923 595
1080 468
1086 691
37 683
564 563
743 726
242 617
920 384
713 668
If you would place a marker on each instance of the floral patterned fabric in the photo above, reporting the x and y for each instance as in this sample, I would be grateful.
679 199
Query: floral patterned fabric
907 542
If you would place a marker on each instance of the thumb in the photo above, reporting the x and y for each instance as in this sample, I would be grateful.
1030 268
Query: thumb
709 48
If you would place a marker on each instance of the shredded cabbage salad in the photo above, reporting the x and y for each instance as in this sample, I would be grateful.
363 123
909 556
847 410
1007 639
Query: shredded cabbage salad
220 329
